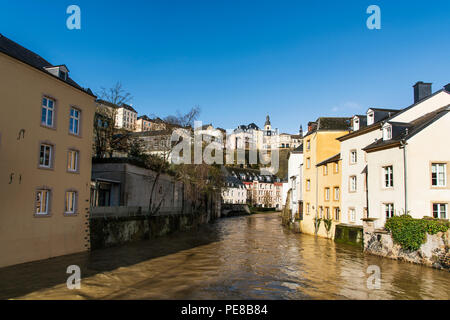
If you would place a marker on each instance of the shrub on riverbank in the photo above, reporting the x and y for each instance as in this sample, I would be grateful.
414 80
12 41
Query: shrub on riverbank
411 233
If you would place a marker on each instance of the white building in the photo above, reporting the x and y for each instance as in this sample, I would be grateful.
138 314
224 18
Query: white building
234 191
366 129
252 137
409 166
126 117
295 163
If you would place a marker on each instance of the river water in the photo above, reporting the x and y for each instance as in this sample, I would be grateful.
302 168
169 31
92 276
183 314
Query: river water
251 257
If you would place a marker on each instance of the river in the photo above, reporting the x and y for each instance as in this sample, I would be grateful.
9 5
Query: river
249 257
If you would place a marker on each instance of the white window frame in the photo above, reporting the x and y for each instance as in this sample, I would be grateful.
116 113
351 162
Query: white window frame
388 133
46 106
352 215
336 193
327 194
435 167
70 199
389 210
388 177
50 155
439 212
72 160
353 156
353 186
40 193
74 119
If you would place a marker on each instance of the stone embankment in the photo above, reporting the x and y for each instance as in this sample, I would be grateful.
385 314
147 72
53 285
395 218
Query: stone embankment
435 252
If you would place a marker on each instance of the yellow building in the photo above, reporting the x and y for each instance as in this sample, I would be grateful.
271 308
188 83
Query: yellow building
329 194
321 170
45 158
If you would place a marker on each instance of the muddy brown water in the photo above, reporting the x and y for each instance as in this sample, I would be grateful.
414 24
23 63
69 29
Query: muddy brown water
250 257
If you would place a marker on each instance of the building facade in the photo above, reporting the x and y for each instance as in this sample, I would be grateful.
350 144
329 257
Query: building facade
319 144
409 165
46 134
329 194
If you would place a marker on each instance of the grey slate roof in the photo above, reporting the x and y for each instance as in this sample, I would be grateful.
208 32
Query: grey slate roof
16 51
330 123
331 159
405 131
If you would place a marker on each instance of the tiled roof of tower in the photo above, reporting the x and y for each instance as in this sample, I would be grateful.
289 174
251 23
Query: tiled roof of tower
16 51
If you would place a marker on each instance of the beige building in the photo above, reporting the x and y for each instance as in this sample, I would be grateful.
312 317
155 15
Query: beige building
46 130
144 123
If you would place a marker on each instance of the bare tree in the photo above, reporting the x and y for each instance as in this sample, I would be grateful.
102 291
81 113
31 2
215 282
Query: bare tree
184 120
107 136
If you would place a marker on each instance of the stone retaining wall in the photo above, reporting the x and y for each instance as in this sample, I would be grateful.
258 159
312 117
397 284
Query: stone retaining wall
113 231
435 252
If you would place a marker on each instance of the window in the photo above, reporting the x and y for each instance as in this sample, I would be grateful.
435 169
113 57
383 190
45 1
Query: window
45 156
439 174
336 167
308 163
307 208
370 118
71 201
388 177
74 122
337 213
356 124
440 210
72 161
353 156
388 133
325 170
42 201
308 185
389 210
48 110
327 213
308 144
336 193
353 184
327 194
321 212
352 214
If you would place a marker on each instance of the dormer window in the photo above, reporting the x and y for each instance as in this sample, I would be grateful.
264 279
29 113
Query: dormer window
63 75
59 71
370 118
355 124
387 132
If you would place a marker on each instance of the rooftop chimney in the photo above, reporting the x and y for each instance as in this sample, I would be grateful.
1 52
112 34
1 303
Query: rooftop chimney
447 87
421 91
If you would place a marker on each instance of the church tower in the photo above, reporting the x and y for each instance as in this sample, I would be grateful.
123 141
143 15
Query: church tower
267 125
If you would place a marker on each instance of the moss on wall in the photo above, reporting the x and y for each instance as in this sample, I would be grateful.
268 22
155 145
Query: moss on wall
349 235
113 231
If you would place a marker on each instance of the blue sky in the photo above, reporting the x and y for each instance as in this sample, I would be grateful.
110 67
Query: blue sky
241 60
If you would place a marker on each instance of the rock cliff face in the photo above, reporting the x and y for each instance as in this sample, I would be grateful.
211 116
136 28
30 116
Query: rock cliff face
435 252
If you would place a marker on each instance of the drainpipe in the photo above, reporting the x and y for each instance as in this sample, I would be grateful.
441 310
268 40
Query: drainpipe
403 146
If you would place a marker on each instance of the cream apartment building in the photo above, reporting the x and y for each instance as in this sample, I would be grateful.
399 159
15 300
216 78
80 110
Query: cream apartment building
409 166
46 128
365 130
